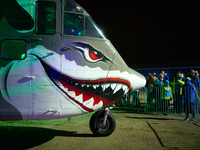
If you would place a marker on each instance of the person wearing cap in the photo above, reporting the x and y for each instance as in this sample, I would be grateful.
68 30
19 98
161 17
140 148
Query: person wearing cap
177 84
189 96
166 95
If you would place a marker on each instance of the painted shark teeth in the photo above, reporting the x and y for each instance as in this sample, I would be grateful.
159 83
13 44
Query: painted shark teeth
98 106
118 87
89 103
105 86
95 86
125 89
79 98
71 93
114 87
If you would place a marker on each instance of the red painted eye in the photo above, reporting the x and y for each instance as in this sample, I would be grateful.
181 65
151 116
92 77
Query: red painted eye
94 55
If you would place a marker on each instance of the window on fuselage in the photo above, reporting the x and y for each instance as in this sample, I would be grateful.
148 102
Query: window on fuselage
13 49
46 17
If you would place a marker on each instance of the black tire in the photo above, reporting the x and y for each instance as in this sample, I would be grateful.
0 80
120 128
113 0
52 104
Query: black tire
96 124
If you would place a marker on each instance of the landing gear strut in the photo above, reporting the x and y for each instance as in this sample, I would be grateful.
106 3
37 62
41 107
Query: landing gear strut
102 123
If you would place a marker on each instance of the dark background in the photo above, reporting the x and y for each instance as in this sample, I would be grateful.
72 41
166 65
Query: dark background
153 31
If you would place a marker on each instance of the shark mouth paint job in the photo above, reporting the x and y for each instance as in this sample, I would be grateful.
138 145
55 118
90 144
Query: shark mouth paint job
90 95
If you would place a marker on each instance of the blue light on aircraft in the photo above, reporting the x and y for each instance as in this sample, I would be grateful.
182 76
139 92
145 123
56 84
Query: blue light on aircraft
76 32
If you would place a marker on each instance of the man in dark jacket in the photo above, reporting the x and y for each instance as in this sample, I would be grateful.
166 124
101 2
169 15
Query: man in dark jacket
189 96
158 84
192 76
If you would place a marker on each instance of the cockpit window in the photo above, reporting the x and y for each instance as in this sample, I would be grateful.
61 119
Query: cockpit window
46 17
73 24
77 21
91 28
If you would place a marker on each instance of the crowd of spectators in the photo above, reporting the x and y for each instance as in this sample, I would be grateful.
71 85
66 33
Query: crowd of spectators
180 88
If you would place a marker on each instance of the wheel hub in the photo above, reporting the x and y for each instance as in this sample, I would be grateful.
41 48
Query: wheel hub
100 124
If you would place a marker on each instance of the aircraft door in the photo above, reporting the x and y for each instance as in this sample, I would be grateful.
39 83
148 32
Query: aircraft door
46 59
45 62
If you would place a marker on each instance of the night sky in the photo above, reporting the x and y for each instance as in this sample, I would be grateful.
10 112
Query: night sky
153 31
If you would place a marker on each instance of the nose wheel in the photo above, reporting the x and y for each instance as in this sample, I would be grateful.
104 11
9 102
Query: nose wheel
102 123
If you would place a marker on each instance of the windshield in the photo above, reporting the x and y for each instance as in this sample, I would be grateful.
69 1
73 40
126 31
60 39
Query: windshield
77 21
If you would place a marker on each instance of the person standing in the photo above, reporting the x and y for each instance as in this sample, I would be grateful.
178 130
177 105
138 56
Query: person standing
166 95
150 92
177 84
189 96
192 76
158 84
196 80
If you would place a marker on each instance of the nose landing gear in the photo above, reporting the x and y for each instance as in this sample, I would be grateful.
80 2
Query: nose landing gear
102 123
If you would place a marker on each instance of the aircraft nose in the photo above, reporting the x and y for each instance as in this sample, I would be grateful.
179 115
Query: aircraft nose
137 80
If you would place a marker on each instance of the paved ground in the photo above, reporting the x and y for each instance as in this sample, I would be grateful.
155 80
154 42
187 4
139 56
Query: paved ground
133 131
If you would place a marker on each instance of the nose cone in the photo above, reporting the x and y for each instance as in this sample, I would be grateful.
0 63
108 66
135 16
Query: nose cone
137 80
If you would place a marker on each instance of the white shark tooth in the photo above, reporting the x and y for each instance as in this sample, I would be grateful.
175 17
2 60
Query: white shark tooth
95 86
103 87
113 86
71 93
63 88
125 89
79 98
118 87
107 85
89 103
98 106
66 89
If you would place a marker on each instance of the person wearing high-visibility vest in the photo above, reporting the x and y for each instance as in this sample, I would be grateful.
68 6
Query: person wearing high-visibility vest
166 95
177 84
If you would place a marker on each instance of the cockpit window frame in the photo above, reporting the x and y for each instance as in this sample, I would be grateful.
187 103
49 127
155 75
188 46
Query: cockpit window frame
78 10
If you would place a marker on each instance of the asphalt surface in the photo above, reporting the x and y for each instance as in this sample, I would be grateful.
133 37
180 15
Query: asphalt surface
134 130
